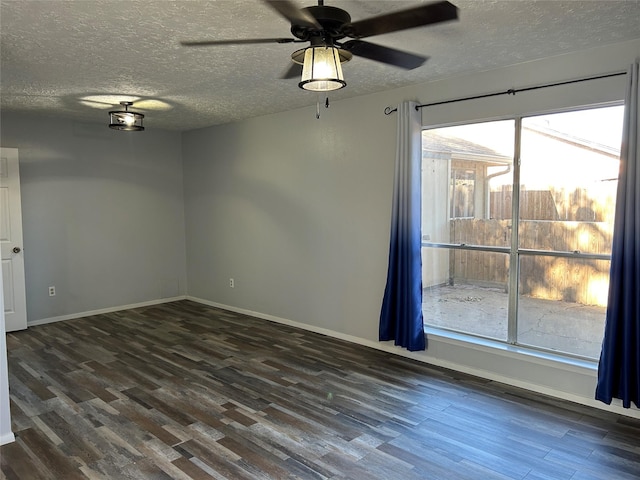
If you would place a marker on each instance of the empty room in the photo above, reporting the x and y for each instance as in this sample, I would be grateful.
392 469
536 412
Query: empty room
339 239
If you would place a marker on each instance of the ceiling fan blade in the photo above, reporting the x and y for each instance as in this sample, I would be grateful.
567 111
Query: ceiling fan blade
245 41
291 12
294 71
390 56
402 20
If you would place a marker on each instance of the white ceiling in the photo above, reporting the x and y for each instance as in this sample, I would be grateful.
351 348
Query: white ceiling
56 56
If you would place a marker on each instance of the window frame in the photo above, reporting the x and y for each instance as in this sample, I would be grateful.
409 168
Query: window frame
514 251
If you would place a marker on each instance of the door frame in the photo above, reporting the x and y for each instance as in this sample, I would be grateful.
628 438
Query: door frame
10 176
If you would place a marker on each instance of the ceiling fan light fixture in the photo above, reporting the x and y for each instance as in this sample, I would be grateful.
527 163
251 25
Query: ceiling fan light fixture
321 69
125 120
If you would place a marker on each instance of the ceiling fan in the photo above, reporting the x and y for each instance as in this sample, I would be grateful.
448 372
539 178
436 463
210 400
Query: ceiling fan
325 27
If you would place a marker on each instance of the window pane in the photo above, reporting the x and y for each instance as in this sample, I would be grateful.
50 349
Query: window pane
568 176
462 192
466 291
466 171
562 303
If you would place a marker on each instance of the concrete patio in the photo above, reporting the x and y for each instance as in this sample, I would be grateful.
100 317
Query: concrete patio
559 326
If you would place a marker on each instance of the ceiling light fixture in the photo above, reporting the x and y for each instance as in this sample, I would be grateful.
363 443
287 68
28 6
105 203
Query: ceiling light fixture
321 69
126 120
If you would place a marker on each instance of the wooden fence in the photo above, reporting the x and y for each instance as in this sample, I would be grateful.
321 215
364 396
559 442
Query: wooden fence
554 278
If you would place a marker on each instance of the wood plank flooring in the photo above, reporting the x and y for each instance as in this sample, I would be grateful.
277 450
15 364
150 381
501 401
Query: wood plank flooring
186 391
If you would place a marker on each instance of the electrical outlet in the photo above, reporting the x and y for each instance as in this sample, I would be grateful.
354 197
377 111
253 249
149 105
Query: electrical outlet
232 284
52 291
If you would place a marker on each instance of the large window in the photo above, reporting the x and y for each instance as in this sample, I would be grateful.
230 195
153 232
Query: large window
518 251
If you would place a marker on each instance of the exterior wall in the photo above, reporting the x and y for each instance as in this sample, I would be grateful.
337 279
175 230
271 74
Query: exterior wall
435 220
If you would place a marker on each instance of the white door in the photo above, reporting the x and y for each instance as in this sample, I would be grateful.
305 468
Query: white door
15 304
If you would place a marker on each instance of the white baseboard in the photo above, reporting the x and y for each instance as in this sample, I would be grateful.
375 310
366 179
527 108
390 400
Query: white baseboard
7 438
291 323
101 311
541 366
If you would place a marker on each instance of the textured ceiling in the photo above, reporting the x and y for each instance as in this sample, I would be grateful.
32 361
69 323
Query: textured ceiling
79 58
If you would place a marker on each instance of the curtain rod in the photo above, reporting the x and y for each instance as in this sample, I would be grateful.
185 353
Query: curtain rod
511 91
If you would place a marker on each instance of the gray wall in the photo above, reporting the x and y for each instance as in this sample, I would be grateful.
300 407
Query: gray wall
296 211
103 216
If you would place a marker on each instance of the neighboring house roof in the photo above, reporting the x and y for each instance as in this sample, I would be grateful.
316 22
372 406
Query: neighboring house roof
440 146
613 152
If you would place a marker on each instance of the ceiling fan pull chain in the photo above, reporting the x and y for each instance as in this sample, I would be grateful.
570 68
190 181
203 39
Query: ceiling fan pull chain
320 101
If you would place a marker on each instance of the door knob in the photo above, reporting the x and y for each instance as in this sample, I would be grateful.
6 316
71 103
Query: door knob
16 250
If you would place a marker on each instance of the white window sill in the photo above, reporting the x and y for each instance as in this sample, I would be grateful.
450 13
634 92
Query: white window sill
507 350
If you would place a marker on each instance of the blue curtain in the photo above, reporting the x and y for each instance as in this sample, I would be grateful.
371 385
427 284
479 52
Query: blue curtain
401 315
619 368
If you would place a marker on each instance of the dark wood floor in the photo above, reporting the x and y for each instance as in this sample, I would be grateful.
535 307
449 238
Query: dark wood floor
187 391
